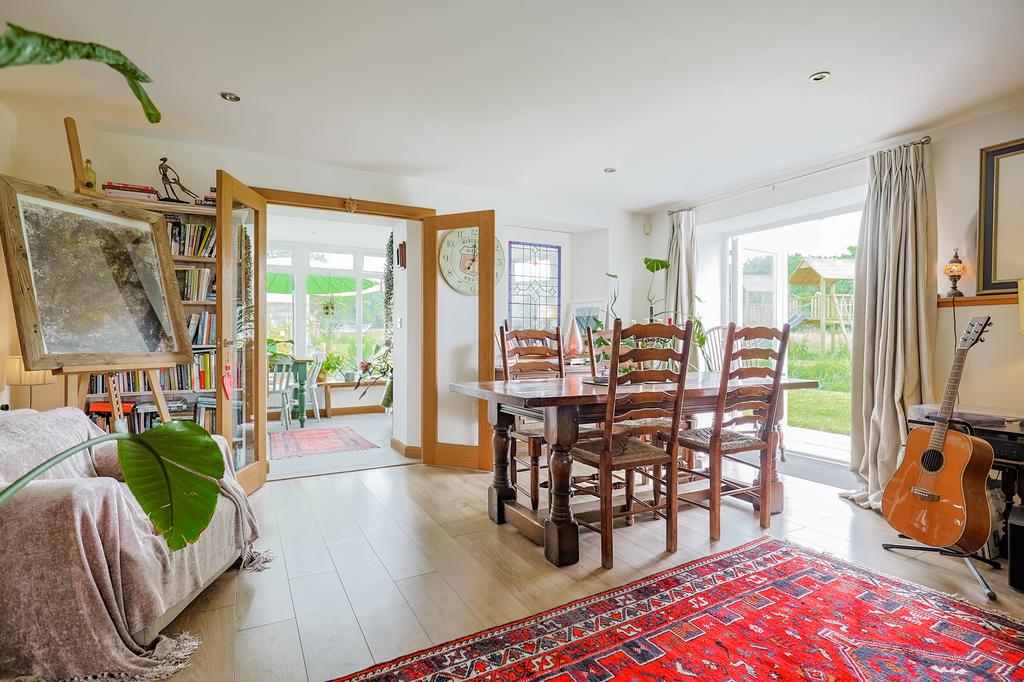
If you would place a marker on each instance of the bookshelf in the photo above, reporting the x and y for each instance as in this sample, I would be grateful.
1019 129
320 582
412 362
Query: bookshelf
191 389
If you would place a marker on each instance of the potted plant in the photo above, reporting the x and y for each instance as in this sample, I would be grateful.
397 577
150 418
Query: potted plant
330 368
380 367
653 266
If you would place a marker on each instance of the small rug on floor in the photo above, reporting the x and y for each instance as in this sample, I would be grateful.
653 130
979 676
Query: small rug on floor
767 610
301 442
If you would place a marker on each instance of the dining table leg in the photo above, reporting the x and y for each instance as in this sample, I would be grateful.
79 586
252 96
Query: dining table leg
561 530
501 489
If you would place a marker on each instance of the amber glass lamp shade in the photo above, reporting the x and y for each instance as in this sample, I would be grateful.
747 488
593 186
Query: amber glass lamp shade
954 269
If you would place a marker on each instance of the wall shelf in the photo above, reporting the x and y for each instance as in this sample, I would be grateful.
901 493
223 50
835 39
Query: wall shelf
990 299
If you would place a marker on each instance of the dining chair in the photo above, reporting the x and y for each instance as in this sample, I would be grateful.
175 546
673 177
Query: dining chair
525 354
281 384
744 420
311 382
624 453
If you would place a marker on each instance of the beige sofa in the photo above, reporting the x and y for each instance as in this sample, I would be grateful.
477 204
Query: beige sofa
86 583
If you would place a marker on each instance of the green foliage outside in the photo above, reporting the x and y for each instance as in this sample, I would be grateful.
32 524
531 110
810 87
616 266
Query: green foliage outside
820 410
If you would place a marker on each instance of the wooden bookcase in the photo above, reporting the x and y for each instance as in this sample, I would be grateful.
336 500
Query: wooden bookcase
193 215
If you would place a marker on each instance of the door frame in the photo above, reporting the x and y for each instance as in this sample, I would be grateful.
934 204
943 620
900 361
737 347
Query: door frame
434 451
253 476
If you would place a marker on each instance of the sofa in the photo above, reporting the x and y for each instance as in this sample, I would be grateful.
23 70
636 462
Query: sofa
85 581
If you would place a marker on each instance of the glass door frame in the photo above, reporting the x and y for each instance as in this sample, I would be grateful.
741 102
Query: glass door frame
230 194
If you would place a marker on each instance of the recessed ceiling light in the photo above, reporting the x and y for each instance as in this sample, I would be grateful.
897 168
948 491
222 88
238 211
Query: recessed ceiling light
609 170
230 97
820 76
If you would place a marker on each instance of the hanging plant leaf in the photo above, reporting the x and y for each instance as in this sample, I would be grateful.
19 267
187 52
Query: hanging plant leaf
19 46
172 470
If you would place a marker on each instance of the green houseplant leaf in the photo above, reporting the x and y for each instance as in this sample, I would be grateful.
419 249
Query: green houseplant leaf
19 46
172 470
655 264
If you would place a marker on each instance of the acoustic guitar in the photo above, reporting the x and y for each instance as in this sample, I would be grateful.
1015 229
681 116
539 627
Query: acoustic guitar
937 495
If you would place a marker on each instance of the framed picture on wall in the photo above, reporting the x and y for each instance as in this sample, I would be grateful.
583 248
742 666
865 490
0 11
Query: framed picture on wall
1001 218
92 281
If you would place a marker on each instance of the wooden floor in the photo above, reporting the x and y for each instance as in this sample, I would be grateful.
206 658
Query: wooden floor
375 564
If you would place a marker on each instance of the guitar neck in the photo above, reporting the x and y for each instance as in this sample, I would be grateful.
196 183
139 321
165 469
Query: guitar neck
948 399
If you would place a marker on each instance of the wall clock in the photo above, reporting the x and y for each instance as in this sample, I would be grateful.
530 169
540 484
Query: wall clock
458 260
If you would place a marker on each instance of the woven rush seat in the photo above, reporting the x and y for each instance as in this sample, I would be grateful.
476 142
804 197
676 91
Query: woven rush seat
625 451
732 441
536 430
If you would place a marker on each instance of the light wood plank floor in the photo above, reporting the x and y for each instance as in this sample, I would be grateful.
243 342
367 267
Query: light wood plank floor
375 564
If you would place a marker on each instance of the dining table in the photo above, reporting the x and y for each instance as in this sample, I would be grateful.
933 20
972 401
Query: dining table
562 404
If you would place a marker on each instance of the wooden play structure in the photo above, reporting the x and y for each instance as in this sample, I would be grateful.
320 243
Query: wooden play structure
830 310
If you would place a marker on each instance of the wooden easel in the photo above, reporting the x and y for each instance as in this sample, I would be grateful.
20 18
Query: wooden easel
114 393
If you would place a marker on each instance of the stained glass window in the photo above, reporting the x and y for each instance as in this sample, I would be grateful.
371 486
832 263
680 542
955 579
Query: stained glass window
534 285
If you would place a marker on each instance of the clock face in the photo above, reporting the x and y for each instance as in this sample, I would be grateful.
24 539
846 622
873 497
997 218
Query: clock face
458 260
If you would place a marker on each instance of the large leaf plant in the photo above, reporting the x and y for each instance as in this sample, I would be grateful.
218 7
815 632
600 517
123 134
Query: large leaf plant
171 469
19 47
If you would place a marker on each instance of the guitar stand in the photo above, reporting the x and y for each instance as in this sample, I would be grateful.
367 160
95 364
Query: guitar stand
968 558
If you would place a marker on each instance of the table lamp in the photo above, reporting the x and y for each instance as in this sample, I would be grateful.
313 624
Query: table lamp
954 269
17 375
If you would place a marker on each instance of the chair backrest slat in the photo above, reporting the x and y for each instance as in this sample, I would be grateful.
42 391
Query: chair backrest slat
751 404
527 353
627 369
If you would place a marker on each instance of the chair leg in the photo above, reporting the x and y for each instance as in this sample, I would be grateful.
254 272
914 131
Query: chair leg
605 485
715 492
672 513
657 486
767 475
536 450
630 493
315 401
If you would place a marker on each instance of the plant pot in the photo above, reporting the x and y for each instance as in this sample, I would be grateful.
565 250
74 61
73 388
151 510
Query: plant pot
387 400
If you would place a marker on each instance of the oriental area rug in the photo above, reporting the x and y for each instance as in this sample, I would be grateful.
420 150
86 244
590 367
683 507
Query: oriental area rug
767 610
300 442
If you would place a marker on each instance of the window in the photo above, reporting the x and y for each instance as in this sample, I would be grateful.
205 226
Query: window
534 285
328 301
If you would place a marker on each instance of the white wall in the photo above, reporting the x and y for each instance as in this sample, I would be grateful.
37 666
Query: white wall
994 374
408 321
41 155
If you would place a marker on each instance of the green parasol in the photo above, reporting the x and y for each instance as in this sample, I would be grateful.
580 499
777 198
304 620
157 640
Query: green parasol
280 283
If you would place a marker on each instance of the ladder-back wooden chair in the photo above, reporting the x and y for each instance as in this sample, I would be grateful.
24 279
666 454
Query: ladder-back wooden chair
529 354
625 452
744 420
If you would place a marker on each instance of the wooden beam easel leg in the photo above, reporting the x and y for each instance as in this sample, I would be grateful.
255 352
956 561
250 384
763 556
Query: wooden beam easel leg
158 395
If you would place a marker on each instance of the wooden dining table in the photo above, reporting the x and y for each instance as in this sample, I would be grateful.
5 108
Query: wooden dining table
562 405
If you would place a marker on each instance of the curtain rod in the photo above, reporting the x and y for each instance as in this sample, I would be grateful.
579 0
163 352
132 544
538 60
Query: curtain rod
924 140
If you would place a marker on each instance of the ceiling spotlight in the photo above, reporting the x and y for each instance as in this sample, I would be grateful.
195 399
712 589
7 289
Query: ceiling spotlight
820 76
230 97
609 170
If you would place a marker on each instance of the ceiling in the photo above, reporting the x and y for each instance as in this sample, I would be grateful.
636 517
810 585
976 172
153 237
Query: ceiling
685 99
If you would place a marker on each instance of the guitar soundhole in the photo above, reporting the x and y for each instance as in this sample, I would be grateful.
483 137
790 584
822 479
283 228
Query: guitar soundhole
931 460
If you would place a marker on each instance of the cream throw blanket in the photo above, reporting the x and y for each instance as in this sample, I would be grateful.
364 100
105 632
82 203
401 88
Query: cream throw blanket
82 569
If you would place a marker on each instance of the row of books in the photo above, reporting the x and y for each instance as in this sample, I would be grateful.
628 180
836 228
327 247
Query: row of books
127 190
140 416
195 284
191 240
200 375
202 328
206 413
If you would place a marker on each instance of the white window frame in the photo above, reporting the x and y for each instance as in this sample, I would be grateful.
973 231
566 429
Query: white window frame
300 269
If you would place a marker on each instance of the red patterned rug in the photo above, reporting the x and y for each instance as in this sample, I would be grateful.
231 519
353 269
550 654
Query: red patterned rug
768 610
301 442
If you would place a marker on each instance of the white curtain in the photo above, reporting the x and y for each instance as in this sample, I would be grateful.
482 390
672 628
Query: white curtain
894 312
682 269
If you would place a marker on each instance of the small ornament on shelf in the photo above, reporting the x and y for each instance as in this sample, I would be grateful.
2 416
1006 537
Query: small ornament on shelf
170 178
